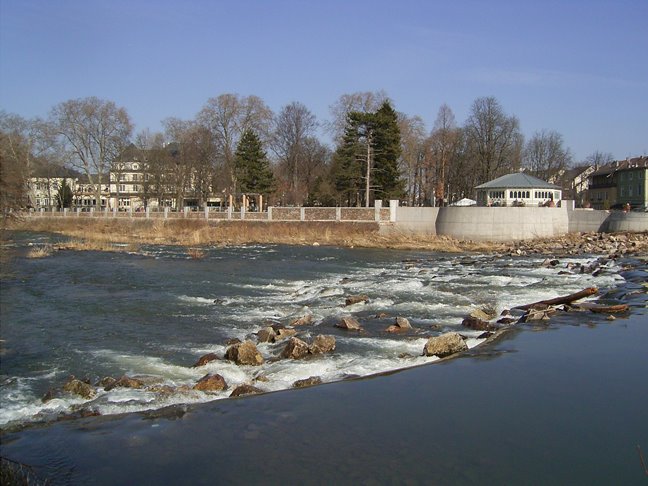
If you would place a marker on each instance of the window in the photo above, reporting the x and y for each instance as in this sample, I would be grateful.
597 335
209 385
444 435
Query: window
623 192
511 194
122 187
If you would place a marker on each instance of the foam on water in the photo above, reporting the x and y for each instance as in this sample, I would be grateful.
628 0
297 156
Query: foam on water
433 293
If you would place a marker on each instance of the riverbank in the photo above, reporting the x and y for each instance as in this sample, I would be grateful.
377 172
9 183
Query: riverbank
100 234
560 402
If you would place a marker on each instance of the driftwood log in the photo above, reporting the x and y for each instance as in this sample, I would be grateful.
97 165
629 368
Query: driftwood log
605 309
567 299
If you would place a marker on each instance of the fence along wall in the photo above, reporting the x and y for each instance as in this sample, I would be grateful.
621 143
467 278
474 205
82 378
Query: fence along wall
465 223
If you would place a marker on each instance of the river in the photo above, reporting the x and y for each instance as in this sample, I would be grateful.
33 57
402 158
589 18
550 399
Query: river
154 312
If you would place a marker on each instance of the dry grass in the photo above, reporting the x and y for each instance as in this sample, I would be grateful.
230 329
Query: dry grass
99 234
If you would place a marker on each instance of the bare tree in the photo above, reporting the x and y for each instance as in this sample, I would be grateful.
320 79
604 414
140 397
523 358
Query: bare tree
545 155
444 147
494 139
94 132
362 102
413 157
598 158
226 117
294 125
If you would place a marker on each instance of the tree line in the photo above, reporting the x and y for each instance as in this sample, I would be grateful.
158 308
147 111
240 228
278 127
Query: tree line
236 144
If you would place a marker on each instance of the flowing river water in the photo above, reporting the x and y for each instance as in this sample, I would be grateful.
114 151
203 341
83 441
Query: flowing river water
152 313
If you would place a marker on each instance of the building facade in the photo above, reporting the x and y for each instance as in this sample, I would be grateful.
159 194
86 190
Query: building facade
618 183
518 189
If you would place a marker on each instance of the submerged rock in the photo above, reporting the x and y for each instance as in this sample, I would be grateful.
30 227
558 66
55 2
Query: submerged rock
284 333
349 323
295 349
401 324
356 299
322 344
78 387
245 353
311 381
302 321
245 389
126 382
444 345
211 383
203 360
477 324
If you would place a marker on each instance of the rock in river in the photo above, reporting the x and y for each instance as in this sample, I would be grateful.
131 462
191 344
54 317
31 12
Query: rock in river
245 353
313 380
444 345
322 344
203 360
349 323
245 390
295 349
80 388
211 383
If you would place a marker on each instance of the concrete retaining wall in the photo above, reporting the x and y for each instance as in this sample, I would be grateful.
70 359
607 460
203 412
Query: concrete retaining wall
501 224
509 223
587 220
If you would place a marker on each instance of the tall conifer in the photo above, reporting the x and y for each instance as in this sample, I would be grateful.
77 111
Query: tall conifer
252 167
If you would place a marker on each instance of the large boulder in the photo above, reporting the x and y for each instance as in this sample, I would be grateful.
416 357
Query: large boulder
302 321
349 323
444 345
295 349
245 389
245 353
322 344
211 383
78 387
313 380
356 299
203 360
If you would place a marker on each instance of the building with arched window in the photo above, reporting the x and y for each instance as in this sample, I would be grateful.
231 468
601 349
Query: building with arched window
518 189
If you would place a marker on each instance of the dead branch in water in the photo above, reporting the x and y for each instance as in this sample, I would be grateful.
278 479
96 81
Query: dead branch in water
604 309
567 299
643 464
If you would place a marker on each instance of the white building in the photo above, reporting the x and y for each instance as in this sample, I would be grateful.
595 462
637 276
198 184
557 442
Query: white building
518 189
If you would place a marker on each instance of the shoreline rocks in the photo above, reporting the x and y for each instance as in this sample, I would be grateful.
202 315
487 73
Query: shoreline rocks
245 353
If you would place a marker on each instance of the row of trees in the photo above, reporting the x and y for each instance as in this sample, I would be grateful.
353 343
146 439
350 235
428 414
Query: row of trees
237 144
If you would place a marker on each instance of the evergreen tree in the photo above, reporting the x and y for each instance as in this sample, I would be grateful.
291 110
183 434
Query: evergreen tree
387 151
251 166
64 195
365 165
346 171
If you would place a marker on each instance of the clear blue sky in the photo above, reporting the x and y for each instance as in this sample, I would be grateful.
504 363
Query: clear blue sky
577 67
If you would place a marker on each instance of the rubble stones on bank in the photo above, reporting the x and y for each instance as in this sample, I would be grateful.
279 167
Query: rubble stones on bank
444 345
582 243
322 344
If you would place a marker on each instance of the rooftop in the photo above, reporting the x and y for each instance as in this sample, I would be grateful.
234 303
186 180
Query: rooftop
517 180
